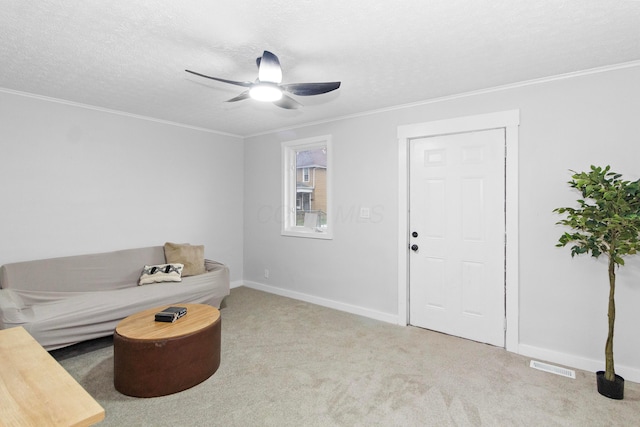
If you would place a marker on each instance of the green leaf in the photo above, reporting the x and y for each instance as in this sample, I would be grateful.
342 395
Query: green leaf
607 218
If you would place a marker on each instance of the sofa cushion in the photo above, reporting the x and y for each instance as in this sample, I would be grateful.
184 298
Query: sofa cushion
87 315
161 273
191 256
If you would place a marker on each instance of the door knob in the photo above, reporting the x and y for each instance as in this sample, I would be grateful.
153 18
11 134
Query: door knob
414 234
414 248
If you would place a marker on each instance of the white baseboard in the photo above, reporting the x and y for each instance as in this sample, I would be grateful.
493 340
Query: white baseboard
578 362
353 309
236 284
538 353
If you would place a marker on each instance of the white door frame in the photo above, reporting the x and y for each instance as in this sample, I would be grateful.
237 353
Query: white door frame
508 120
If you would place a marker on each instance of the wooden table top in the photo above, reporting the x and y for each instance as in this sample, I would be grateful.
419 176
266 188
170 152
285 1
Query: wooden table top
35 390
142 326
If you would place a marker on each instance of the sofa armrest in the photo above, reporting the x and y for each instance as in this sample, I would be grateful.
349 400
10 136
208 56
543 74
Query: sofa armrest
12 309
211 265
10 299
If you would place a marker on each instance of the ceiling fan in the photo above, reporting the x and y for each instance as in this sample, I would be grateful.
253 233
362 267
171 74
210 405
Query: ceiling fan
267 87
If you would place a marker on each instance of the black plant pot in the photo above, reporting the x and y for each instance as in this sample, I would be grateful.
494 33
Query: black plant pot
611 389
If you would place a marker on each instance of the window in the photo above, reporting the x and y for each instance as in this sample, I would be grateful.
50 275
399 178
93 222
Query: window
306 182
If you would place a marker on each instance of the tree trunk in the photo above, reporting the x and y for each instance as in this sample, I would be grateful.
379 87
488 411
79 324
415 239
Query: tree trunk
610 373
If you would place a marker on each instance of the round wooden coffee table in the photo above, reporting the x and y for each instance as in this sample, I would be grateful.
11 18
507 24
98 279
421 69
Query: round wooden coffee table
157 358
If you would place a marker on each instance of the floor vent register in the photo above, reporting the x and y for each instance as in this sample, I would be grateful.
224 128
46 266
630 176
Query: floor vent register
553 369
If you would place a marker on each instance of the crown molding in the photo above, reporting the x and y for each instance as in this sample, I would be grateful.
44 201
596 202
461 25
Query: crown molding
116 112
532 82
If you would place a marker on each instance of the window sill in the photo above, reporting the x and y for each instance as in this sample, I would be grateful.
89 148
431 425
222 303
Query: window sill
307 233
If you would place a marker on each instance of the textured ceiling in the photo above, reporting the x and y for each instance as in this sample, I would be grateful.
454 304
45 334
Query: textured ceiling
130 56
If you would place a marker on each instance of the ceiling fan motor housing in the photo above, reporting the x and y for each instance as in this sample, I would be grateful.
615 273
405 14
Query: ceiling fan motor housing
267 87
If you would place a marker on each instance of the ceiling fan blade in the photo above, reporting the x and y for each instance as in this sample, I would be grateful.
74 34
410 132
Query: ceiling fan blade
287 102
269 68
233 82
308 89
243 95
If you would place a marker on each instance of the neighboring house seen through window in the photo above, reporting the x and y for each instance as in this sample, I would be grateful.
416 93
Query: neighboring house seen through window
306 188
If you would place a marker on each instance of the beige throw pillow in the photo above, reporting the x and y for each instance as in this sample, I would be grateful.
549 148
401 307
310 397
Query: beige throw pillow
191 256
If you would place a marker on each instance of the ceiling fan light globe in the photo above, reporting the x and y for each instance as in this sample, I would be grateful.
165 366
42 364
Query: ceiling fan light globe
265 93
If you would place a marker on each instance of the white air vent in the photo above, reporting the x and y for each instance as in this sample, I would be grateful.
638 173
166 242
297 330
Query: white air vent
552 369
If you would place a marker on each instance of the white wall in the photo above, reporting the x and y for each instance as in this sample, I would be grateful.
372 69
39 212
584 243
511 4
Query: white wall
358 267
75 180
565 124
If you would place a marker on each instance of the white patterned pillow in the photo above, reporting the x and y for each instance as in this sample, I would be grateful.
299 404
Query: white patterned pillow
161 273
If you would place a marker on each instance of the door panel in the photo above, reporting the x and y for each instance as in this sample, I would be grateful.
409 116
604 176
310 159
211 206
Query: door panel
457 208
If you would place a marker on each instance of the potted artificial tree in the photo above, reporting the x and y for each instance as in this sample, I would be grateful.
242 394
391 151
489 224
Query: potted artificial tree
606 222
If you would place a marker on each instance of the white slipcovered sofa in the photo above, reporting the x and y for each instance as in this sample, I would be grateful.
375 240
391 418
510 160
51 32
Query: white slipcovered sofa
62 301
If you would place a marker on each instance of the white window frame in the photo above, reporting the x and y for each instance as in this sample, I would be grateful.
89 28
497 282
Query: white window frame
306 174
289 150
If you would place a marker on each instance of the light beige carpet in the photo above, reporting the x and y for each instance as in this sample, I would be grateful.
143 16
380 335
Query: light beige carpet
290 363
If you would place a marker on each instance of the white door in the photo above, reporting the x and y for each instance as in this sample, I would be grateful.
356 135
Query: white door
457 229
